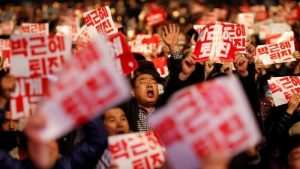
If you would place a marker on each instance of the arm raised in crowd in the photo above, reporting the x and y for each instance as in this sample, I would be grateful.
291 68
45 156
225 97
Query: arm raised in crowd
250 51
188 65
90 150
44 155
279 121
246 72
170 36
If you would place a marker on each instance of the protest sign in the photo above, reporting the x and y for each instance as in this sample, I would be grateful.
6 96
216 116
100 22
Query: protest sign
282 88
156 17
204 118
99 21
274 29
87 85
27 95
5 52
34 55
161 66
145 44
137 150
124 59
218 41
279 37
276 53
35 28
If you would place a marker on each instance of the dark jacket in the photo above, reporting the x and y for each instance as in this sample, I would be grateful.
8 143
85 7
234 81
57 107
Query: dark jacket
84 156
278 124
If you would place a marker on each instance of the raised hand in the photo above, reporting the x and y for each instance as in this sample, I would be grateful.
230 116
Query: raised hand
42 153
170 36
251 52
241 64
296 55
209 67
227 68
260 67
188 66
293 103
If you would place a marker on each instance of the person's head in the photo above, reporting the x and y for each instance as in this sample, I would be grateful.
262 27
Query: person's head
7 84
291 152
115 121
145 84
9 123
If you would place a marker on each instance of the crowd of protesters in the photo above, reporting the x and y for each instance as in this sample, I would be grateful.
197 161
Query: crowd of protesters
87 146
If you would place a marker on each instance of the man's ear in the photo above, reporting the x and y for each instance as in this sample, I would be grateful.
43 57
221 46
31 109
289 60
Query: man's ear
132 93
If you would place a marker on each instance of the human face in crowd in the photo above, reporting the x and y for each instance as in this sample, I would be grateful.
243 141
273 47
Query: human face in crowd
115 121
10 124
8 84
146 90
294 159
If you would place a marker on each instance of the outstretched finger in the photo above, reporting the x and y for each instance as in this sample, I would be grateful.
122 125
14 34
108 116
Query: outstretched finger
177 30
170 29
166 30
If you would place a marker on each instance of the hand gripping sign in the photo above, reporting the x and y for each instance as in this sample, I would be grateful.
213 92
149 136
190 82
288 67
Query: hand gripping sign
88 84
204 118
137 150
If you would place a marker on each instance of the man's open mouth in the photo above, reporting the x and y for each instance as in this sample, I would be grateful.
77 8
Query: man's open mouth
150 93
121 132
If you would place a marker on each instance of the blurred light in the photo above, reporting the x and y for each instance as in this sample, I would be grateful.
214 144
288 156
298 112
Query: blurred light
56 5
142 16
113 11
65 30
119 18
77 12
175 14
130 33
45 7
182 20
97 6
